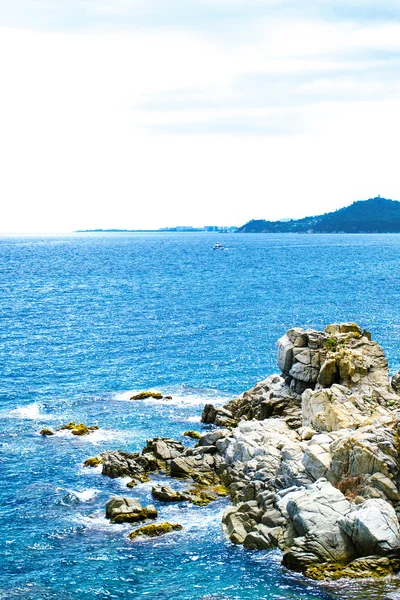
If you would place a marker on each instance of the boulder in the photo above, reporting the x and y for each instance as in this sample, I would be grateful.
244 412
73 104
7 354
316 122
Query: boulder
124 464
373 528
314 512
192 434
154 530
163 449
78 428
120 509
165 493
46 431
202 468
268 399
145 395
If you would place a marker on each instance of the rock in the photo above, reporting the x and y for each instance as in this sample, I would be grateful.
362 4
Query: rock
155 530
120 509
47 432
145 395
200 467
163 449
285 354
219 416
192 434
78 428
395 382
213 436
366 451
95 461
124 464
372 567
233 525
373 528
268 399
342 354
165 493
316 479
336 408
314 512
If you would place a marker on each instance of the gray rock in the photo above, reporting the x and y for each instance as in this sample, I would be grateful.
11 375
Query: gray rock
120 509
373 528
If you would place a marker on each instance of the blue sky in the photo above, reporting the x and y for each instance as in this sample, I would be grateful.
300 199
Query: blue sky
146 113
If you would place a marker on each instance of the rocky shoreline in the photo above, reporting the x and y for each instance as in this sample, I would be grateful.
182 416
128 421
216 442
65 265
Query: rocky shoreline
310 458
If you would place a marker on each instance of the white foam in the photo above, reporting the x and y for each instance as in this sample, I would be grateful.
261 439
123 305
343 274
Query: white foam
95 437
86 495
31 411
178 398
99 522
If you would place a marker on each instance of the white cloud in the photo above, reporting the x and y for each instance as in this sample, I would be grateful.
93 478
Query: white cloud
296 117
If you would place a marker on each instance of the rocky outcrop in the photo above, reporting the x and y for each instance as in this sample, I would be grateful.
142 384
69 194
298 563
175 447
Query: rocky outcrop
165 493
163 449
120 509
268 399
123 464
313 463
200 495
342 354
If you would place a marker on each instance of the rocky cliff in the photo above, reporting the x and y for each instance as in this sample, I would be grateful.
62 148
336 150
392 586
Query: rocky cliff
311 456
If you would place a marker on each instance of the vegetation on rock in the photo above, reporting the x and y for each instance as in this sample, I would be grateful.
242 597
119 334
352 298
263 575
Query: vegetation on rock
192 434
145 395
78 428
155 530
46 431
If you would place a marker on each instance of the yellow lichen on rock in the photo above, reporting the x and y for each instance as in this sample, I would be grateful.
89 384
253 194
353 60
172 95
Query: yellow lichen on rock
192 434
155 530
147 394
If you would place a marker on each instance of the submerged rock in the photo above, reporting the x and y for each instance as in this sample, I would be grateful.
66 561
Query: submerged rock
155 530
120 509
46 431
145 395
78 428
94 461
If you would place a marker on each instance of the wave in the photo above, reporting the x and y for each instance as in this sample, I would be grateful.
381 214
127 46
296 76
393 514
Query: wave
96 437
179 395
31 411
73 497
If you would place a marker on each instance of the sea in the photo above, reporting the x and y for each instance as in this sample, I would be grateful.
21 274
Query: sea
89 319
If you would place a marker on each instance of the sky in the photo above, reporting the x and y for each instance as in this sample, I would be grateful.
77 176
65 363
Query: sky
138 114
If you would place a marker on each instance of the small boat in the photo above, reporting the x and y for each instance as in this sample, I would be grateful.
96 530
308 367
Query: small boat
218 246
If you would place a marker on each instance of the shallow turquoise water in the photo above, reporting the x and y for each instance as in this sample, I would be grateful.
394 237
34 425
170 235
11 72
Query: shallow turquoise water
87 318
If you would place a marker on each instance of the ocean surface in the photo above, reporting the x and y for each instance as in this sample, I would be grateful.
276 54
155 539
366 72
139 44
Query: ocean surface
86 320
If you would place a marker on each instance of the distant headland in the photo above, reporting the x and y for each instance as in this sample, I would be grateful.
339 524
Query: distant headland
179 229
376 215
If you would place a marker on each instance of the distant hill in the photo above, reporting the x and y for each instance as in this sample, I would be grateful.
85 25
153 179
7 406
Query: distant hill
376 215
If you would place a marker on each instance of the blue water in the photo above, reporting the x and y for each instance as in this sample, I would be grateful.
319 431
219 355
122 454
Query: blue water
85 319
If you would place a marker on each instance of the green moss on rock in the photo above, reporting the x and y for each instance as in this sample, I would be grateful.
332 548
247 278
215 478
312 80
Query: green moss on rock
192 434
95 461
47 432
370 567
145 395
78 428
155 530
